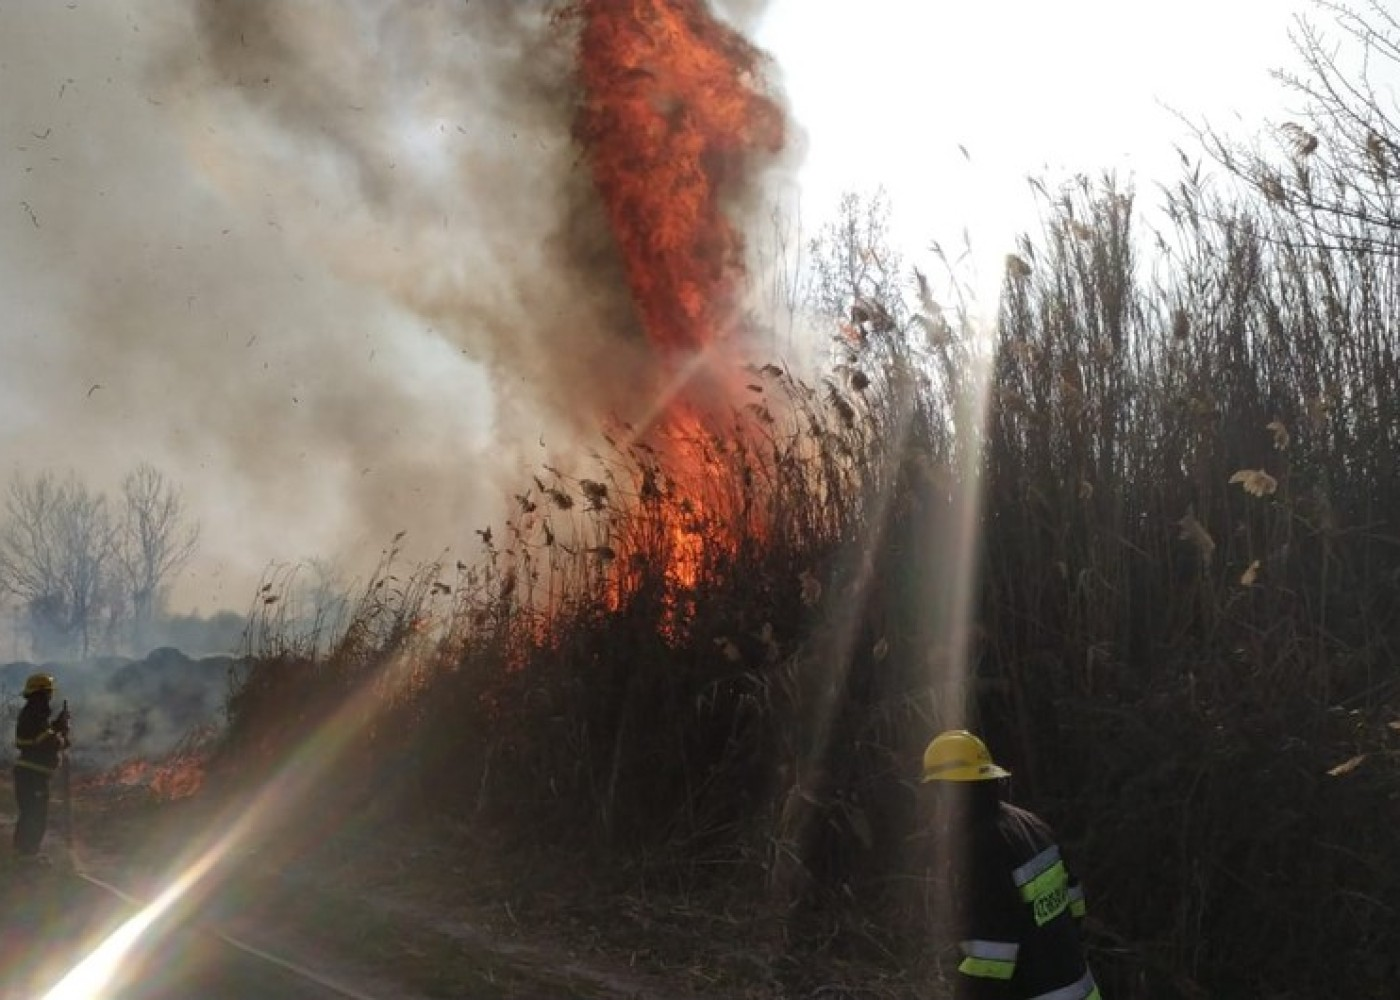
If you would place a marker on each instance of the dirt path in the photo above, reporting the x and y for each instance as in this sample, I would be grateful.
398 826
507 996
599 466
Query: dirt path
52 922
389 944
440 913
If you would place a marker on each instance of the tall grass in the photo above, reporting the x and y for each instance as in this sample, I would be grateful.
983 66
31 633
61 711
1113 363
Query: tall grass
1192 576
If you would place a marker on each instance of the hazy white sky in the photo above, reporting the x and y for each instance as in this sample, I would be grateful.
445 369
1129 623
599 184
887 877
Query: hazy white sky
887 96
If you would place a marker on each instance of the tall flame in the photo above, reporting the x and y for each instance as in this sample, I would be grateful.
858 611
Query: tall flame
672 123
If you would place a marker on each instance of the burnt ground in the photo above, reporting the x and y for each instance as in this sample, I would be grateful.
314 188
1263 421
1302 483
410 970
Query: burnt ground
425 913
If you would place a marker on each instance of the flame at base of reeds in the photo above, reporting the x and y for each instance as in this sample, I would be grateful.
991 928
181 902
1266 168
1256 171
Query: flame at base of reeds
179 775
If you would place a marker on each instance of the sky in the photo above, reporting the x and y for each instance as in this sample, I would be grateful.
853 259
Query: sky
951 106
335 270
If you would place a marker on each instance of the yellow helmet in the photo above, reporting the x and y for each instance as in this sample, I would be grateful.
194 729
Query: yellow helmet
957 755
36 683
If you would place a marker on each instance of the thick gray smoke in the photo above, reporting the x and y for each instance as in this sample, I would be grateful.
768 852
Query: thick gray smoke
336 268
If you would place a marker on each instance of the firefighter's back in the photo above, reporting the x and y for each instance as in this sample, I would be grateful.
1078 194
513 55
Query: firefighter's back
1051 957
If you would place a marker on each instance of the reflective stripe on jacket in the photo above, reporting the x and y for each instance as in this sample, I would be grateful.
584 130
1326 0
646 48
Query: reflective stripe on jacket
1019 922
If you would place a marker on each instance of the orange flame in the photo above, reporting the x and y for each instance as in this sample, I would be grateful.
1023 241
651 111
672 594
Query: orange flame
670 122
176 777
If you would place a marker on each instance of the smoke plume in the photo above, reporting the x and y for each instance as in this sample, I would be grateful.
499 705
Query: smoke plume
336 268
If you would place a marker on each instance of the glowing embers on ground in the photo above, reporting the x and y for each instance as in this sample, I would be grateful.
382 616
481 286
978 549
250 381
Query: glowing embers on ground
177 776
670 120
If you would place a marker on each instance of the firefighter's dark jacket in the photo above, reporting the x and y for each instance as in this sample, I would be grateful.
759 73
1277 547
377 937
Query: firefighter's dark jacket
39 744
1019 933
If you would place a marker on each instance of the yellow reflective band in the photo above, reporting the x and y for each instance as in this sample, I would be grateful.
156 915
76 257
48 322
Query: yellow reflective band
987 968
1077 907
1054 880
1044 884
29 764
989 959
1048 895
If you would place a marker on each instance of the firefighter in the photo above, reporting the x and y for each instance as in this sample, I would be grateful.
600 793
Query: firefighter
41 741
1017 909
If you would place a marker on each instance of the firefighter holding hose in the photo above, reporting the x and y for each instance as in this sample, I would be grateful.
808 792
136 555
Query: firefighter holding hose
1017 909
41 738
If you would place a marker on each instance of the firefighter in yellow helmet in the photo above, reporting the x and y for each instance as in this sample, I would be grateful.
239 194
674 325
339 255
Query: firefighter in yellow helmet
1018 912
40 739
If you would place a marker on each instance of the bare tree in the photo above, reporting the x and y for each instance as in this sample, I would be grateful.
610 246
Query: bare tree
56 547
154 544
1336 172
83 574
856 274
